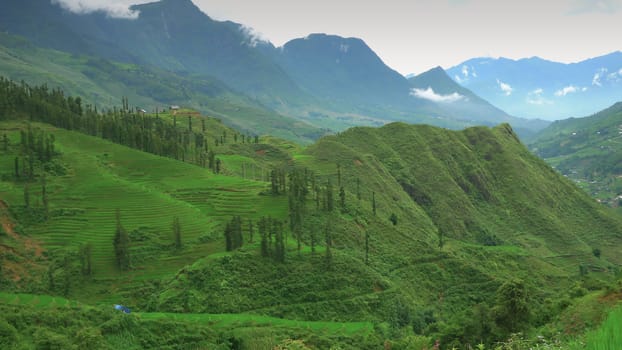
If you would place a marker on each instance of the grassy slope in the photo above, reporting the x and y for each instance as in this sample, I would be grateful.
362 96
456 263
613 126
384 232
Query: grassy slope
104 83
470 185
588 150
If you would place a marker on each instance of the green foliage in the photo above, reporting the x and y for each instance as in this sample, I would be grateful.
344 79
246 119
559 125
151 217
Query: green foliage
512 310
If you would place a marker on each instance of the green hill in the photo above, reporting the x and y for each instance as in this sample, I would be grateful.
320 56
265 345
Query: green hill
399 235
103 83
587 150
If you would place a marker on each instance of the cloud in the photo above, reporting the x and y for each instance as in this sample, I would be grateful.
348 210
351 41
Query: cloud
598 75
465 71
567 90
112 8
506 88
598 6
429 94
253 37
535 98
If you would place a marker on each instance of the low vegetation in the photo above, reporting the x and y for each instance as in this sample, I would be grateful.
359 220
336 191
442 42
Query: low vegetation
402 237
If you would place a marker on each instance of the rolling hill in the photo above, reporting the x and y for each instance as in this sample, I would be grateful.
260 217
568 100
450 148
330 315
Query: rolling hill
414 229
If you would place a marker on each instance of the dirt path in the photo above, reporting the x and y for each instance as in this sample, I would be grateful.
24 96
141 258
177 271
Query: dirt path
7 224
29 244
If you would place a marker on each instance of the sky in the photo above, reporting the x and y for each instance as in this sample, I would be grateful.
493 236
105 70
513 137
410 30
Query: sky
412 36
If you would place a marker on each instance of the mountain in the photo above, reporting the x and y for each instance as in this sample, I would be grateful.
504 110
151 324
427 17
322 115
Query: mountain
170 34
587 150
370 237
343 71
537 88
327 81
462 103
103 83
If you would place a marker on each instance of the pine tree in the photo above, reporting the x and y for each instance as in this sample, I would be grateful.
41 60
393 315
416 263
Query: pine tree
366 247
373 202
177 233
329 196
26 195
358 188
228 237
44 197
121 245
342 198
250 230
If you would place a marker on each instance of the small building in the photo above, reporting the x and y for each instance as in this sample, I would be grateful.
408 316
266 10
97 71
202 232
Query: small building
174 108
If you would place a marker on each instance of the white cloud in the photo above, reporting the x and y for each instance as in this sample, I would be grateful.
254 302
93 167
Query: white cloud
567 90
429 94
465 71
506 88
584 89
253 37
598 75
620 71
535 98
112 8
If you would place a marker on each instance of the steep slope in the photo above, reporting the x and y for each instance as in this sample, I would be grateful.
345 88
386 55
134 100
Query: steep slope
328 81
462 103
410 227
173 35
588 150
343 71
537 88
103 83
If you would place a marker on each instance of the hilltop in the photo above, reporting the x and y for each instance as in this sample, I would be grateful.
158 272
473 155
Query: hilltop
400 233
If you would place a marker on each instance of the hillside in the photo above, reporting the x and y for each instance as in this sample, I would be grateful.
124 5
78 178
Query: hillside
587 150
538 88
104 83
463 104
325 81
414 229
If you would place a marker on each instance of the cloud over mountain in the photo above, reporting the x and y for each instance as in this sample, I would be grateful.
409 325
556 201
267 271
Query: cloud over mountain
112 8
429 94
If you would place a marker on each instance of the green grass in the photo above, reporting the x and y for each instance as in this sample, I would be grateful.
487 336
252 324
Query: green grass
609 335
245 320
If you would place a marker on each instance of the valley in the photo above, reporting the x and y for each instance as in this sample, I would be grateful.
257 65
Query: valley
173 180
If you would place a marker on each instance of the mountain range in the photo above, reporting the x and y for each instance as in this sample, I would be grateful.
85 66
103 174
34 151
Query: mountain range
320 81
537 88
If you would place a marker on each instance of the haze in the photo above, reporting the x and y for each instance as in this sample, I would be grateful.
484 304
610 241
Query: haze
413 36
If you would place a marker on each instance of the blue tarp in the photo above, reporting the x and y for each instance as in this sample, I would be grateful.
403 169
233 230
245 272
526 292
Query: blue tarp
122 308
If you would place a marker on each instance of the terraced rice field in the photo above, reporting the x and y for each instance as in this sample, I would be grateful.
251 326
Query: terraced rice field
149 191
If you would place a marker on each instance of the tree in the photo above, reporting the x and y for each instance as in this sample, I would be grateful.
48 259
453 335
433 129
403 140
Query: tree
329 242
393 219
512 311
250 230
26 195
366 247
441 240
596 252
342 198
177 233
44 197
121 245
373 202
86 259
329 196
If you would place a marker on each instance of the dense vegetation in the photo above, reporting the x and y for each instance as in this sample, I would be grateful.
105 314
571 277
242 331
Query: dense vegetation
589 151
401 237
